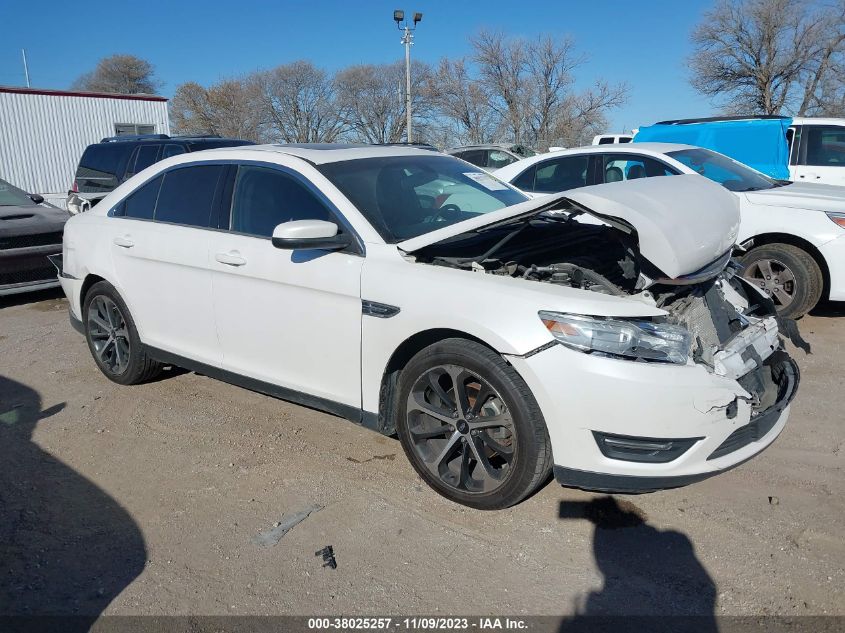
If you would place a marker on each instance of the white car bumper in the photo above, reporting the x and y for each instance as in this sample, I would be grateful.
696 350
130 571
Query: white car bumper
668 425
834 254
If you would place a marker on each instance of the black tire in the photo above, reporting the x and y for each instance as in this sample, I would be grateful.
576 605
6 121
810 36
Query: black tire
137 367
526 436
806 289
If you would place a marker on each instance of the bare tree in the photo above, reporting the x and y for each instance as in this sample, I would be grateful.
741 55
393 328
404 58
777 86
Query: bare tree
297 104
225 109
371 100
124 74
768 56
531 85
463 102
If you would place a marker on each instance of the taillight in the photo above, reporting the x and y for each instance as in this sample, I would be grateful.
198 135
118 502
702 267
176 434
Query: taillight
75 187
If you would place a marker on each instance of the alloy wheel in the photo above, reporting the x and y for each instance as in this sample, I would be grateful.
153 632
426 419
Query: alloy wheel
461 429
109 334
774 278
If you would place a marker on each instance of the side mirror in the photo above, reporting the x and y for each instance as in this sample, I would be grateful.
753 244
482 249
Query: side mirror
309 234
37 198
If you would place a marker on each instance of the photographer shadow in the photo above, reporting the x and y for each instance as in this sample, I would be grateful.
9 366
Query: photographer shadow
66 547
649 574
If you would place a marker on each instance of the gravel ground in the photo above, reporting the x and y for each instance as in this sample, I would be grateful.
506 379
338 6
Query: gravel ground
147 500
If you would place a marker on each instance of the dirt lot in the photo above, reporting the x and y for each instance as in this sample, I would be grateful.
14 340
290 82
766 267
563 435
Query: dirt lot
146 500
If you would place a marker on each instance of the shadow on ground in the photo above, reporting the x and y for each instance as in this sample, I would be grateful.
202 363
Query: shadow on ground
831 309
646 572
66 547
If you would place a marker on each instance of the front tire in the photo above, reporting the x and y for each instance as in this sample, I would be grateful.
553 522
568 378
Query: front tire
788 275
470 426
113 338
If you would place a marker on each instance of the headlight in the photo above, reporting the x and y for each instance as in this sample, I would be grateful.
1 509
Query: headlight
634 339
838 218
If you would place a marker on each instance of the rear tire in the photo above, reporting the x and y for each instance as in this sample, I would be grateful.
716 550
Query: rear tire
787 274
113 338
470 426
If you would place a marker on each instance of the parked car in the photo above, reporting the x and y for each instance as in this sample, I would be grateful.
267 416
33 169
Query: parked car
490 157
30 232
794 233
612 139
801 149
115 159
496 336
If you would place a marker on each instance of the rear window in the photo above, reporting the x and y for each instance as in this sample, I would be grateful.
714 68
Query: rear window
102 165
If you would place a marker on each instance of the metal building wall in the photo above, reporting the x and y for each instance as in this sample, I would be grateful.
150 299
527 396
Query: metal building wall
42 136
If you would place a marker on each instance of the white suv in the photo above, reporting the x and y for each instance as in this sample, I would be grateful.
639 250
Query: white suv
414 294
794 233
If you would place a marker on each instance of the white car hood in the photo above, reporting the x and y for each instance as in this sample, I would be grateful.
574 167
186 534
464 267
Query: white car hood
683 223
801 195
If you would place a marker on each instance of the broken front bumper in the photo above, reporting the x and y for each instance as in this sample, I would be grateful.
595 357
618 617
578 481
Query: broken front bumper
716 421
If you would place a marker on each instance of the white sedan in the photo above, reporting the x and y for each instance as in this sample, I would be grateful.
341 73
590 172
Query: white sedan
794 232
411 293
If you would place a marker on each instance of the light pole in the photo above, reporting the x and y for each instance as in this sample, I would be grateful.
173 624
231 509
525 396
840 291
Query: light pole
407 40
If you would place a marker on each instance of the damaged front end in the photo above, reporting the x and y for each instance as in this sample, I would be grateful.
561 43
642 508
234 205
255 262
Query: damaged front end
713 318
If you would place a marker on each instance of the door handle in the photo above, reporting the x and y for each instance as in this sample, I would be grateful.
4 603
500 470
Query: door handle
232 258
124 241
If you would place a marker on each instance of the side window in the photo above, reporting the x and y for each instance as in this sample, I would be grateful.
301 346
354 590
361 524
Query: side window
618 167
793 143
825 145
477 157
172 150
606 140
187 195
624 139
561 174
142 203
143 157
525 180
497 159
266 197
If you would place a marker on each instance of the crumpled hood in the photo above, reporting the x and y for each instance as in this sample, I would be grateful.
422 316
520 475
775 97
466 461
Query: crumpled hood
683 223
31 220
801 195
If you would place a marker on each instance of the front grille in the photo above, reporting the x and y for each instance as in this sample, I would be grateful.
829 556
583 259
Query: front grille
26 241
45 273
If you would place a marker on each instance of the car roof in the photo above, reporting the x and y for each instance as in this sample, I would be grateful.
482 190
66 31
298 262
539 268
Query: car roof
322 153
813 120
463 148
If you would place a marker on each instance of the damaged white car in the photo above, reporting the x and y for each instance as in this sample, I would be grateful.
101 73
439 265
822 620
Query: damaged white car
602 333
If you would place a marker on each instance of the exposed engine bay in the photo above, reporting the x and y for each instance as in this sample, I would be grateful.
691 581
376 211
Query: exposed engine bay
733 329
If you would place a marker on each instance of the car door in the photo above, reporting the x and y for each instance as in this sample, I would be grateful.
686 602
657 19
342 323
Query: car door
821 155
160 254
291 318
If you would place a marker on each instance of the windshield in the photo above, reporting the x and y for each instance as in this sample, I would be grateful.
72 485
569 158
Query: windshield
732 175
406 196
11 196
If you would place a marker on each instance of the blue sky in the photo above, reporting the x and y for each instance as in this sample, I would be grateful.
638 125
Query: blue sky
644 43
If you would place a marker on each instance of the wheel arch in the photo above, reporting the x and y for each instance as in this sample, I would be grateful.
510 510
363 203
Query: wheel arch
400 357
799 242
87 283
